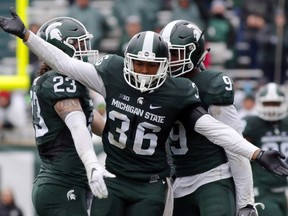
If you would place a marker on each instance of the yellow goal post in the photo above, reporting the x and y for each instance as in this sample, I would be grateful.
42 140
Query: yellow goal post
19 80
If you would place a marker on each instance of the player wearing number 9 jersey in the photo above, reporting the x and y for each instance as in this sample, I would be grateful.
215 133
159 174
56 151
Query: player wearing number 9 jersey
208 172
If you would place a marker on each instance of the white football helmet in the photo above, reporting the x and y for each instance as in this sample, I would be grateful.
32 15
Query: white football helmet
271 102
146 46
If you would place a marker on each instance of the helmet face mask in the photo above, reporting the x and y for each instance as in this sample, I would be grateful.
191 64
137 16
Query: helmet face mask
150 49
271 103
181 59
186 37
70 36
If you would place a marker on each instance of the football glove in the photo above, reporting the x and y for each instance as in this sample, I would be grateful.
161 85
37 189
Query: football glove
13 25
248 210
272 161
96 174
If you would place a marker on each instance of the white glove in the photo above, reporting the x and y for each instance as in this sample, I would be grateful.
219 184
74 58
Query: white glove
76 122
249 210
96 173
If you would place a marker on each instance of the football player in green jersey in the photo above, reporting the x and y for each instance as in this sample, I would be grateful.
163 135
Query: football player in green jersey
269 130
142 105
208 170
62 115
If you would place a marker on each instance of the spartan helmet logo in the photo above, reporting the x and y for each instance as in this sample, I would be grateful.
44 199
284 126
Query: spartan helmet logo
196 31
140 100
71 195
52 32
197 34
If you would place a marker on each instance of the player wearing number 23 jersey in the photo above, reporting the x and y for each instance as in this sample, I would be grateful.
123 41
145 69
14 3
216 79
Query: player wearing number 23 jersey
63 117
50 128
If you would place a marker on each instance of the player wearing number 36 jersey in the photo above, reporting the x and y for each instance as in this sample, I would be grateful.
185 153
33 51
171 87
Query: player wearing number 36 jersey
142 104
141 109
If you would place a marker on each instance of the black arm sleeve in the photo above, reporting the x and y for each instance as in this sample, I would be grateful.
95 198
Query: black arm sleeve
190 115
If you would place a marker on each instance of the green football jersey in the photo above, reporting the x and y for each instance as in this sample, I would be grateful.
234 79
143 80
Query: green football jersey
138 124
53 138
266 136
215 88
193 153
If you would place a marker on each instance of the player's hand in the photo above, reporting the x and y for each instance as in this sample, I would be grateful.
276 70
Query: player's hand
96 174
13 25
272 161
248 210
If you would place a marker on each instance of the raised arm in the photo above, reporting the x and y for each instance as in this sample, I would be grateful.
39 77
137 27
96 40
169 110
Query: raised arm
51 55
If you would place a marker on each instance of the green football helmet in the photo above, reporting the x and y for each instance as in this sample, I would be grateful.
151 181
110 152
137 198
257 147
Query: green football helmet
271 102
71 36
186 41
146 46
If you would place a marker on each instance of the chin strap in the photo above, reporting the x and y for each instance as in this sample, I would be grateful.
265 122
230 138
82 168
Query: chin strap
142 86
201 59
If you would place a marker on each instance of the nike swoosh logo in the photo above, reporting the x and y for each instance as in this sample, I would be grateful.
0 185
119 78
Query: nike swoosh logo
93 169
154 107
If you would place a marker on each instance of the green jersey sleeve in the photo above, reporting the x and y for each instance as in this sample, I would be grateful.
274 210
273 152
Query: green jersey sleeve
215 88
55 87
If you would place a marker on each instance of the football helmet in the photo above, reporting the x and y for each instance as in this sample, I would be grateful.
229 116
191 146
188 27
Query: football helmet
146 46
71 36
271 102
186 41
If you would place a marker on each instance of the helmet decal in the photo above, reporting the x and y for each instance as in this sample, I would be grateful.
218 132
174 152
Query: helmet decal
196 31
149 47
186 44
53 32
71 36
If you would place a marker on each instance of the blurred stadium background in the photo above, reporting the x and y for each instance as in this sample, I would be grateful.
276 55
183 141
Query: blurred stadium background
19 161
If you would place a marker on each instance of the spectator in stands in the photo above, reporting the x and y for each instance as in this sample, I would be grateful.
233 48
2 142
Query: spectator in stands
133 26
248 106
274 49
8 206
255 15
96 23
220 35
188 10
13 112
147 11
